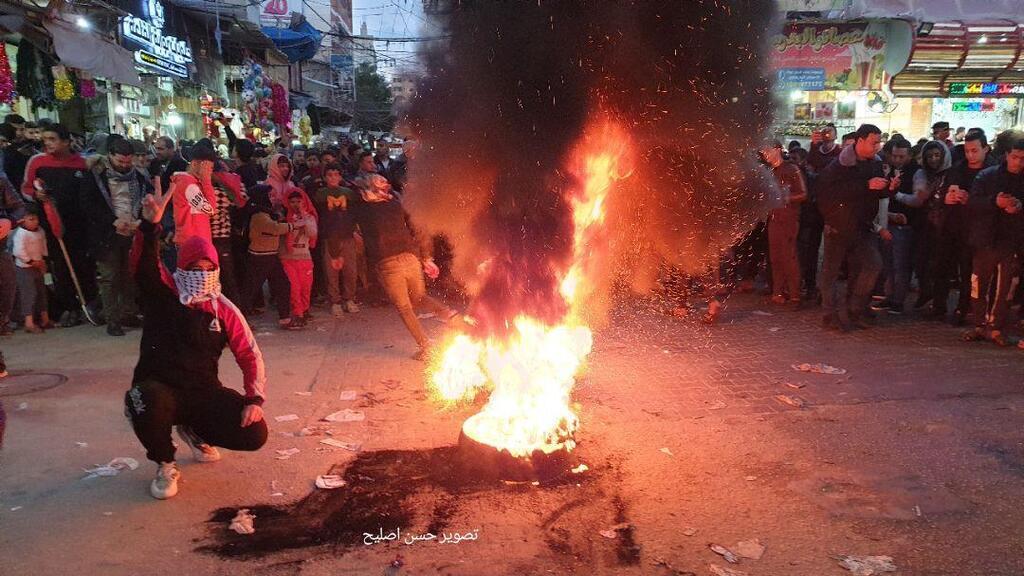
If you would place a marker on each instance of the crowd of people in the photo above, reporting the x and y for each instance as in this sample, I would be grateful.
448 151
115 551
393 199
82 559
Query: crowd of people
181 240
302 221
870 219
190 240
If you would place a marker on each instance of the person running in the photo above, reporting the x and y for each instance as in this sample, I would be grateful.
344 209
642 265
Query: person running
394 247
187 325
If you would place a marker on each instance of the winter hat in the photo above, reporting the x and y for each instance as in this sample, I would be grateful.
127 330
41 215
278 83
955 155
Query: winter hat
204 153
195 249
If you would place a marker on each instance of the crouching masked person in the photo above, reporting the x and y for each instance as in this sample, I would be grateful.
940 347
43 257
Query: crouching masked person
187 325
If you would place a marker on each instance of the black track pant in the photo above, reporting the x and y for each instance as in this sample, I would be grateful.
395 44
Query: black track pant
214 414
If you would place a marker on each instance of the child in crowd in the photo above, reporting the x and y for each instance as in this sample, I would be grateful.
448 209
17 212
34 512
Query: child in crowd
297 259
29 249
338 228
265 234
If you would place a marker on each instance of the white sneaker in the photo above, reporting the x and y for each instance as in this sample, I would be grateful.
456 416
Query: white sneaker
201 451
165 485
351 307
337 310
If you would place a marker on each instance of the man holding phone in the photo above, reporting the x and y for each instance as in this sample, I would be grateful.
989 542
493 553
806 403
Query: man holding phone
851 187
997 235
953 252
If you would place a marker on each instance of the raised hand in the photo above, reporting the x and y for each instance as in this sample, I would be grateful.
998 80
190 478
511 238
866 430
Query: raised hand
153 205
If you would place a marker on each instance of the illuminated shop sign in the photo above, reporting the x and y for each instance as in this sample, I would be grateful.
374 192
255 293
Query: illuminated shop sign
986 106
154 50
985 89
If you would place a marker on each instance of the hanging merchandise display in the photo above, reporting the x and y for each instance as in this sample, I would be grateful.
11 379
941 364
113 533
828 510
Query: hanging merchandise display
34 77
305 129
86 85
257 94
282 115
7 92
63 87
212 109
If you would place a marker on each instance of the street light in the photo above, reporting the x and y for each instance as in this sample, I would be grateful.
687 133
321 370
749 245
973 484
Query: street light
120 110
82 23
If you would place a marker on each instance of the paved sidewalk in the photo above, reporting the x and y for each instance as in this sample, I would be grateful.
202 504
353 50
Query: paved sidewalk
917 452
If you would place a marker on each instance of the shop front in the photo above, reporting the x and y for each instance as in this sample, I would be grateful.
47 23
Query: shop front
167 100
836 73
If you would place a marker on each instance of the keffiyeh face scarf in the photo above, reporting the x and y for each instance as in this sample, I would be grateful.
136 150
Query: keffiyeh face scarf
195 286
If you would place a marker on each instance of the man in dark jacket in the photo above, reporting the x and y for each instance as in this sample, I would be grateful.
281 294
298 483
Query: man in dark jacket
850 188
112 203
951 260
394 248
55 178
997 236
898 255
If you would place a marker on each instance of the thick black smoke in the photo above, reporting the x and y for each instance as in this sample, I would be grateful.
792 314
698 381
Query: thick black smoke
510 93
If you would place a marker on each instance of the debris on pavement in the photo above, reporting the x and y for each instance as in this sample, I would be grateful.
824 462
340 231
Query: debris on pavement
774 329
286 418
725 553
666 451
286 454
818 369
426 315
16 508
613 531
689 531
867 565
242 522
22 406
303 393
750 478
315 430
345 415
352 446
82 444
347 395
329 481
795 386
723 571
112 468
761 313
794 401
395 566
580 469
752 549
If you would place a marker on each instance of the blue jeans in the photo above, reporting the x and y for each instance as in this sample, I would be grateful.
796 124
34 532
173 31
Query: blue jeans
899 264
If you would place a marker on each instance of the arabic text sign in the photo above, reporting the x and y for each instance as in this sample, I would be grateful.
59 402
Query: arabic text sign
850 56
167 54
801 78
985 89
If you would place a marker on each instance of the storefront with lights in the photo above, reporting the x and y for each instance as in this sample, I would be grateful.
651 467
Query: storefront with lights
898 75
167 100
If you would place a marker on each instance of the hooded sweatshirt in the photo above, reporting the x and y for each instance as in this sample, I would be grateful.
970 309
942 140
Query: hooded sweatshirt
929 185
181 345
281 187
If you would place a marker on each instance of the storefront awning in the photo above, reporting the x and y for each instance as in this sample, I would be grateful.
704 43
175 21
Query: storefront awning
85 50
946 56
298 43
937 10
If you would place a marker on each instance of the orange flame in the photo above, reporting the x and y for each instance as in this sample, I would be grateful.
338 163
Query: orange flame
530 373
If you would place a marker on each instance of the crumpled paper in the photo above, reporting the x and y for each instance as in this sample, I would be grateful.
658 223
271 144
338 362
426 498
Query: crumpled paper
867 565
329 481
345 415
112 468
818 369
242 522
